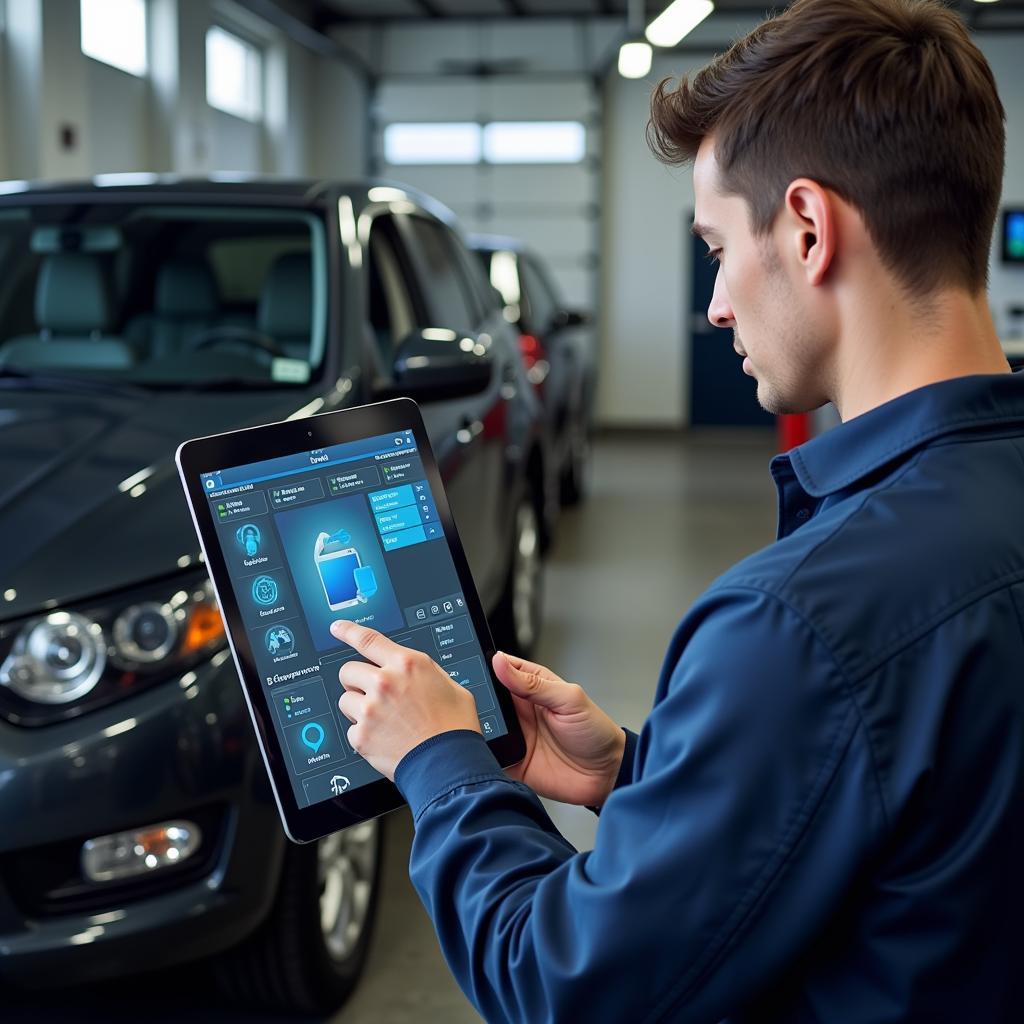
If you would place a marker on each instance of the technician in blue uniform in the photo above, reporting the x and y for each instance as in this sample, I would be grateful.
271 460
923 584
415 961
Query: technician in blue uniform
823 817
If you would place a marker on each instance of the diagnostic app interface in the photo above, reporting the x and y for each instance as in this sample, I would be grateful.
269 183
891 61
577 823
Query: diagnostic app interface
351 532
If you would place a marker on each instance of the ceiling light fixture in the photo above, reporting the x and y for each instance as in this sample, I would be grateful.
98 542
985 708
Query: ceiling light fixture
677 20
635 59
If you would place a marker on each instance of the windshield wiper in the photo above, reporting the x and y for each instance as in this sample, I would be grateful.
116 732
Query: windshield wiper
12 379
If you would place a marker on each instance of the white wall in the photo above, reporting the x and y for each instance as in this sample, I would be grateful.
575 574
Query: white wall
645 338
118 143
162 122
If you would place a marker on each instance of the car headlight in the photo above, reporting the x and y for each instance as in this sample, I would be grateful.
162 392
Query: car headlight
61 663
55 659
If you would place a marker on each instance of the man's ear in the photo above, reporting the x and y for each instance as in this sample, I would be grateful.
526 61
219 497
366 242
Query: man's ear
811 226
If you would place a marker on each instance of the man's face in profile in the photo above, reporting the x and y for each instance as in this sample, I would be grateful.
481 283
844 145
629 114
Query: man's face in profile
755 297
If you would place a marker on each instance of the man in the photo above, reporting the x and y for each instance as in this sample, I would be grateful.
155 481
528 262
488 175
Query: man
823 817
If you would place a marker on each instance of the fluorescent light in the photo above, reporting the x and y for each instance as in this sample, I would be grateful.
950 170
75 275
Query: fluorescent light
635 60
677 20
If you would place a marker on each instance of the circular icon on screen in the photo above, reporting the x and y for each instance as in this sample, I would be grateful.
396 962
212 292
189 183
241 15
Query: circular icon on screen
280 641
264 590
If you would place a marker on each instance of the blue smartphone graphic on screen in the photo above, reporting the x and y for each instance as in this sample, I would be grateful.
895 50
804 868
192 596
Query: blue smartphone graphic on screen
337 574
337 562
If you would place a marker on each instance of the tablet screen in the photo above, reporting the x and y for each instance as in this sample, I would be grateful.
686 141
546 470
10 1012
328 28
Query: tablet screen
345 532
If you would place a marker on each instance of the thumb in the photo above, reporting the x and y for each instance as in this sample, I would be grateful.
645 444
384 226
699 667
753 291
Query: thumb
532 682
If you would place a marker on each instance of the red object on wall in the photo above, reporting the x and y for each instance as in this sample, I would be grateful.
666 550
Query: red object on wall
793 429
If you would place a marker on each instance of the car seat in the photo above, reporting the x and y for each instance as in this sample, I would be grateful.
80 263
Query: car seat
185 304
73 314
286 304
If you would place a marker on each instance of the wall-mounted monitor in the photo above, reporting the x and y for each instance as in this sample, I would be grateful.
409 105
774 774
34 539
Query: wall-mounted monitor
1013 236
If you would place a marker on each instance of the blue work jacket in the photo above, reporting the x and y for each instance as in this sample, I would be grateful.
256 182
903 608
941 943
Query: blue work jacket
823 816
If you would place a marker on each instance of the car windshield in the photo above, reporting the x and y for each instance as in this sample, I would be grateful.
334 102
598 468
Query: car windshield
161 296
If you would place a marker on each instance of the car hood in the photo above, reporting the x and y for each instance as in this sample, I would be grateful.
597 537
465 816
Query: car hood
89 494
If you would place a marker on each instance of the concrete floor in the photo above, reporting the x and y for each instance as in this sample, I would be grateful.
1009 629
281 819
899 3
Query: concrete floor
665 516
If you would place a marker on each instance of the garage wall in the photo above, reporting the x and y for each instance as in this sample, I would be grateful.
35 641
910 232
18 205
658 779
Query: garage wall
118 142
162 122
646 268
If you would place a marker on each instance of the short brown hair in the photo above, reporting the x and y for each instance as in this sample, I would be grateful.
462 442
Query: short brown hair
889 103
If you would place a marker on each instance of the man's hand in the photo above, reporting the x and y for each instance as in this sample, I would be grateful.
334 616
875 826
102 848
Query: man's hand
573 749
398 701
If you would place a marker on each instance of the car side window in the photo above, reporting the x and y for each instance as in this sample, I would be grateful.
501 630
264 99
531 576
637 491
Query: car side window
543 304
391 305
444 282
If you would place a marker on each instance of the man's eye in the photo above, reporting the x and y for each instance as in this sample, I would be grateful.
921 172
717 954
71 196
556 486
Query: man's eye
713 255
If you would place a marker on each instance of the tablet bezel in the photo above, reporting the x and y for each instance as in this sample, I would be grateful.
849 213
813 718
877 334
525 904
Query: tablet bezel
291 437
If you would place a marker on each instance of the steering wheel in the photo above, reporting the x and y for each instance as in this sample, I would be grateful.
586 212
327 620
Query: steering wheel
210 337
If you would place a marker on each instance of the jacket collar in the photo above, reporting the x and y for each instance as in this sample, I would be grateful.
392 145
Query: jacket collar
846 454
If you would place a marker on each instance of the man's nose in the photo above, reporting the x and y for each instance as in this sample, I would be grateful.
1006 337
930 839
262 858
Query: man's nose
720 311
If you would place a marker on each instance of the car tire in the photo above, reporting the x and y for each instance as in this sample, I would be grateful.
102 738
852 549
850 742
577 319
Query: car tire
573 480
308 955
516 621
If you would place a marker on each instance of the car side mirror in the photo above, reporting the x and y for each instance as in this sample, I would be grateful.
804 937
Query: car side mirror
435 363
570 318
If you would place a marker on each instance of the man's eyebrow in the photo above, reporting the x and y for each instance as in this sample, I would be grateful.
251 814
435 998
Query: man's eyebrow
700 230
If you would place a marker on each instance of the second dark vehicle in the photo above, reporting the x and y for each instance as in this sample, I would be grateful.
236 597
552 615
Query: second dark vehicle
558 351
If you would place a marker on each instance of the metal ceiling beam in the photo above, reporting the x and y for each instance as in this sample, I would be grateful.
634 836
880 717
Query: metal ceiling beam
515 8
311 38
429 8
333 16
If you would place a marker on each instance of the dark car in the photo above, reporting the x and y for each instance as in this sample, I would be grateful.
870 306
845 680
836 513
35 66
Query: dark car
558 352
139 828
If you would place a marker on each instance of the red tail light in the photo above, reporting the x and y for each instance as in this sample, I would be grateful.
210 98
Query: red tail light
530 349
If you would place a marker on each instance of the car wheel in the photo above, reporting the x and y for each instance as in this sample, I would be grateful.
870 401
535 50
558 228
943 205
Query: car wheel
517 618
573 485
308 955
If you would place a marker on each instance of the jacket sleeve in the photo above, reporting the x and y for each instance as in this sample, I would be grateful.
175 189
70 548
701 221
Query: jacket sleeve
752 804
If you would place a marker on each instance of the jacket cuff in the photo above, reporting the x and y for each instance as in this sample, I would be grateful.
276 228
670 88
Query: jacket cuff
443 763
625 776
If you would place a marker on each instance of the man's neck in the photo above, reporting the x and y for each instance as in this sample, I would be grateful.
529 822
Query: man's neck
893 349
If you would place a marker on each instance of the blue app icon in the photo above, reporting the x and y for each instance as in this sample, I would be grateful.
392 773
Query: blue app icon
313 736
280 640
248 537
264 590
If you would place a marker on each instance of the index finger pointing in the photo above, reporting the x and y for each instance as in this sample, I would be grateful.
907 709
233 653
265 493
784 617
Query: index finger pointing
368 642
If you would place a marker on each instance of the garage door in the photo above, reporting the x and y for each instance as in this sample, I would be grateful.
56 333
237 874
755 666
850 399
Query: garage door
552 206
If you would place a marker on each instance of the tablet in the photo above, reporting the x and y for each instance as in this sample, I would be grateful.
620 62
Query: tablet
341 515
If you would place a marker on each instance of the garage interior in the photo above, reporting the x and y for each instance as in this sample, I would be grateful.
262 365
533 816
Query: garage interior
417 93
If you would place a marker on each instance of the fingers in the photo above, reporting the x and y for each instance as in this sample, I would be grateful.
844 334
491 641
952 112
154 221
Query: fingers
358 675
368 642
350 704
536 683
528 666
